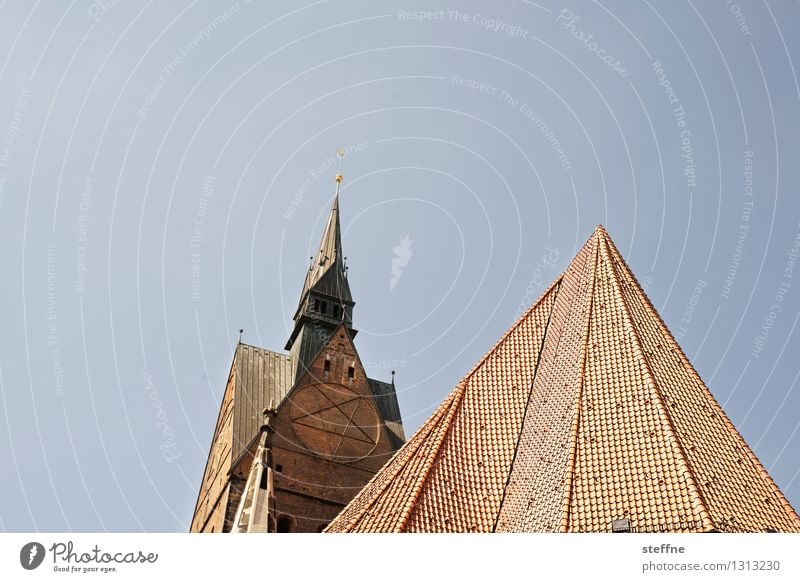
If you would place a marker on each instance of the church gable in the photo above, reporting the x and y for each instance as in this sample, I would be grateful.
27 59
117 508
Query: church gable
331 413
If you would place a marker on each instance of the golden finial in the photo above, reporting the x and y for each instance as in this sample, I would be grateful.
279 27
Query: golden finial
339 177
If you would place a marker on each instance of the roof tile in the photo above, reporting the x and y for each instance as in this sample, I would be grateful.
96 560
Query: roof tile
584 412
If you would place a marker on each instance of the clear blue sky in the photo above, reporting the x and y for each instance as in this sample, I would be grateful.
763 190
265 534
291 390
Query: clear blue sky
164 179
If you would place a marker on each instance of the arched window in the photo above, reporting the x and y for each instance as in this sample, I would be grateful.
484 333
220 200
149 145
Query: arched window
337 311
324 308
284 524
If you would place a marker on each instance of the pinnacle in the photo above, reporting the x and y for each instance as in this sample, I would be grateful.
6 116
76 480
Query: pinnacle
600 232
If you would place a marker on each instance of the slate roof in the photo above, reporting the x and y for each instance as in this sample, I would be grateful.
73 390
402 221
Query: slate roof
262 377
585 412
327 274
386 399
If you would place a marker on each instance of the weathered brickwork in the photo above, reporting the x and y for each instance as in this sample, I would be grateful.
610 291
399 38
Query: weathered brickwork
327 454
333 427
209 513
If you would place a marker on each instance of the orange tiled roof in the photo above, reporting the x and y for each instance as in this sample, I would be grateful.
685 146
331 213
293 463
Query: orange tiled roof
585 412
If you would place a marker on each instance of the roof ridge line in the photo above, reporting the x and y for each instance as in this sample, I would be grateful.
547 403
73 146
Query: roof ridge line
555 284
576 424
426 469
418 443
709 396
559 280
281 354
705 513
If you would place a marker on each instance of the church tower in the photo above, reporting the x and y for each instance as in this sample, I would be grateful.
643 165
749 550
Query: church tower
299 433
326 301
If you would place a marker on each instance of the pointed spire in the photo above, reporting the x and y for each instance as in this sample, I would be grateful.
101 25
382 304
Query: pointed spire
325 301
330 249
330 258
